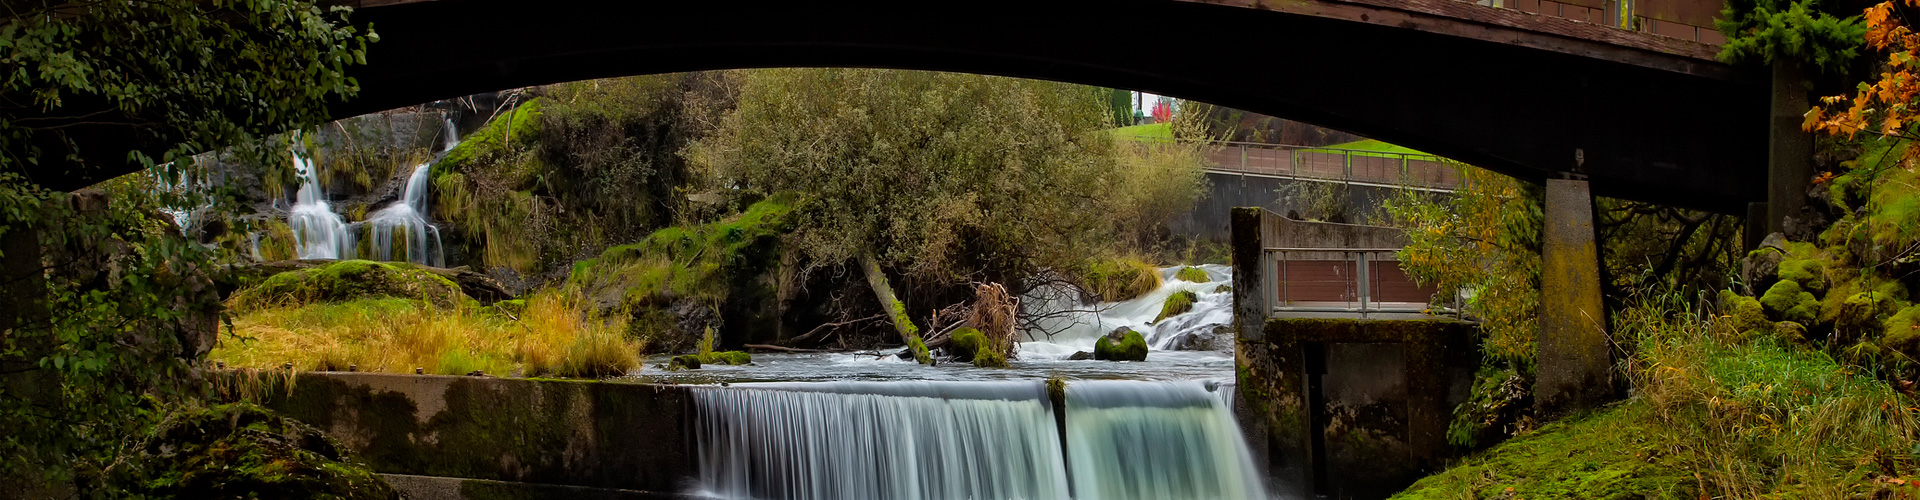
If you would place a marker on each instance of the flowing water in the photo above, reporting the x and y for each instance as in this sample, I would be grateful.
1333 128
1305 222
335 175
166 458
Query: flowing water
873 426
406 218
322 234
318 233
971 440
1077 330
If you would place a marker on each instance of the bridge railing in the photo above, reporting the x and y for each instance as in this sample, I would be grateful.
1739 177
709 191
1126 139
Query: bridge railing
1349 166
1359 281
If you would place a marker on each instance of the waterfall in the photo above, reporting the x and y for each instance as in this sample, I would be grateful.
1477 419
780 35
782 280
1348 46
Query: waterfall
970 440
407 216
1155 440
318 233
925 440
450 135
1077 331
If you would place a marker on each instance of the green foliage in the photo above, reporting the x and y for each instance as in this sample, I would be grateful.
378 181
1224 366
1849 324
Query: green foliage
938 175
969 344
1787 302
1494 408
349 280
1120 103
1486 240
1192 274
1118 279
1131 347
1179 303
1608 454
123 313
1822 37
240 450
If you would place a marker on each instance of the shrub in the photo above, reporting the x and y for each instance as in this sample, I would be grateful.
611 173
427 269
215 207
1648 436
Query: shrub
1119 279
1193 274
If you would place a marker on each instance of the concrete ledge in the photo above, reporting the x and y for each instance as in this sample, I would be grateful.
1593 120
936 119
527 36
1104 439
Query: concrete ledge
604 435
453 488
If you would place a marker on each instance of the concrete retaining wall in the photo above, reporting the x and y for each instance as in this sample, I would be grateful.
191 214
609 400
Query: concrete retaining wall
593 434
1353 408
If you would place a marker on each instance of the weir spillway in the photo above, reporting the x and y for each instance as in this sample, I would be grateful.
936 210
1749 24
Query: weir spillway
971 440
983 440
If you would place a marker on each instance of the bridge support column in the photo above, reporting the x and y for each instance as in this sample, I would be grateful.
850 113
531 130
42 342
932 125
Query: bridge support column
1789 149
1574 366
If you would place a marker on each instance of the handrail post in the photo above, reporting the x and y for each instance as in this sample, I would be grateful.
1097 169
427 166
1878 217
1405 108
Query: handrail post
1360 262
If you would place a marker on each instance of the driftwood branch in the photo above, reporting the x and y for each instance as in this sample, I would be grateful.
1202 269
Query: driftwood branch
820 331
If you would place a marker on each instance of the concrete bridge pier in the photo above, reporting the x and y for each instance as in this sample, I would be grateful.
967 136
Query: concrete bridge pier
1573 362
1789 149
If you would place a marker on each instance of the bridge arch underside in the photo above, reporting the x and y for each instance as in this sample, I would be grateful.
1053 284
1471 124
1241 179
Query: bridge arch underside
1650 126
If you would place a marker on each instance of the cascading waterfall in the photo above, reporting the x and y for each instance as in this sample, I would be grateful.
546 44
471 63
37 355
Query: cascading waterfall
923 440
449 135
1078 331
1155 441
970 440
318 233
407 216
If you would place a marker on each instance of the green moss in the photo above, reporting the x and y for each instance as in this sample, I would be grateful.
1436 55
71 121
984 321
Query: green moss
1786 301
349 280
901 320
1746 312
726 358
968 344
1115 280
1179 303
1605 455
244 451
1223 289
1131 347
1790 332
1193 274
919 349
520 124
1810 273
684 362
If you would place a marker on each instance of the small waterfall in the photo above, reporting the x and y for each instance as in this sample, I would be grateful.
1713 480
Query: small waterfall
450 135
920 440
407 216
1156 441
318 233
1078 331
970 440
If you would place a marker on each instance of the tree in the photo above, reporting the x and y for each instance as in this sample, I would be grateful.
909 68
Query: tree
1823 36
946 177
104 304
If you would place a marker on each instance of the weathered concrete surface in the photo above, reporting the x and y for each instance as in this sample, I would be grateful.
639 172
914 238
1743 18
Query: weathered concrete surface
1353 408
453 488
1789 148
574 433
1574 368
1249 277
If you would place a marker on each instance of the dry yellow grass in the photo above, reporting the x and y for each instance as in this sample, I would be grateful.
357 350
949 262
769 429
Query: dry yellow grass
554 336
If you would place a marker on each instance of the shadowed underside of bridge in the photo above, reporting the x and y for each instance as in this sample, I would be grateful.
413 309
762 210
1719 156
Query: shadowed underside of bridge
1644 117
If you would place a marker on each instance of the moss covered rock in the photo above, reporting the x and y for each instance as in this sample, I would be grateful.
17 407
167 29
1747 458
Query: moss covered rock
684 362
726 358
1193 274
1810 273
1745 312
1786 301
1179 303
972 345
244 451
1129 346
1790 332
349 280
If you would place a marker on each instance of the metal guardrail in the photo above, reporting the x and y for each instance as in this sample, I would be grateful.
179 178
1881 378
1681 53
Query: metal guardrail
1360 286
1346 166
